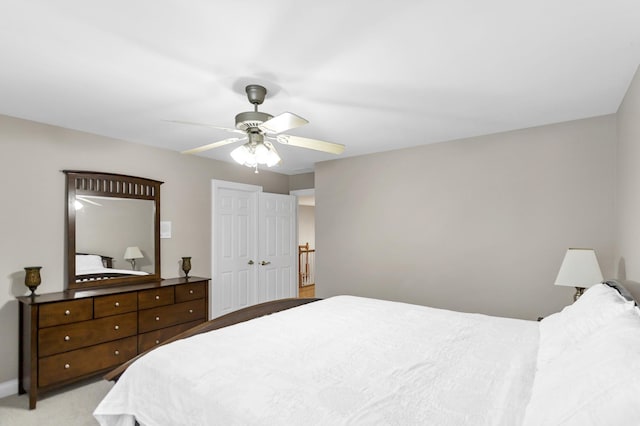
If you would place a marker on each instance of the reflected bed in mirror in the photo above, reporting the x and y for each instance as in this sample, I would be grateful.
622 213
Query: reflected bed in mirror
91 267
108 216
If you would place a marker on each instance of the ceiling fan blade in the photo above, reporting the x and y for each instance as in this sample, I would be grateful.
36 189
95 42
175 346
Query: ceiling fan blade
191 123
282 122
333 148
212 145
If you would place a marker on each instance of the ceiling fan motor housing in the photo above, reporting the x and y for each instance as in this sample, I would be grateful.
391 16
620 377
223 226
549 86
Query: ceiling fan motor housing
250 119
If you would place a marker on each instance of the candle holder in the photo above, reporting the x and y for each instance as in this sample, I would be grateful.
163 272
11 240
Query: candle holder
32 278
186 266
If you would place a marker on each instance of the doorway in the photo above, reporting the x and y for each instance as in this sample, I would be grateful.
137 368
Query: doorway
306 242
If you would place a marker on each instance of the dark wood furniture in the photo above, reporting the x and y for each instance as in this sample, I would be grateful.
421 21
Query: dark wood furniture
232 318
99 323
91 186
71 335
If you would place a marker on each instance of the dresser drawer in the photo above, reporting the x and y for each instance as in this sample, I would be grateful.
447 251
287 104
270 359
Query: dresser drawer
69 365
153 338
193 291
160 296
65 312
166 316
115 304
63 338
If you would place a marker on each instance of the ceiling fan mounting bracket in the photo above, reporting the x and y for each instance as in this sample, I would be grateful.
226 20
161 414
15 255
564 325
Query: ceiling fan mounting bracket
256 93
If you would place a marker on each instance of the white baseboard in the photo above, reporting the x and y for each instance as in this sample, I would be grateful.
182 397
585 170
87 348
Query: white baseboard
8 388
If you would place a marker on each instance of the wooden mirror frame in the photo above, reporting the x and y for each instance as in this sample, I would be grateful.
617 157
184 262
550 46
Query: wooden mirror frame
116 186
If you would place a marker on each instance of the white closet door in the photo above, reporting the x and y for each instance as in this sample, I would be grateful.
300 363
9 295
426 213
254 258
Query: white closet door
234 247
254 247
277 254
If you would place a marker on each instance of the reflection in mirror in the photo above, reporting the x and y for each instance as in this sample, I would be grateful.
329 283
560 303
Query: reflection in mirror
105 228
113 229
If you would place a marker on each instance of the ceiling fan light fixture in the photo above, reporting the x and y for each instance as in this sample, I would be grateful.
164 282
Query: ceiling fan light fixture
241 154
272 157
253 154
261 153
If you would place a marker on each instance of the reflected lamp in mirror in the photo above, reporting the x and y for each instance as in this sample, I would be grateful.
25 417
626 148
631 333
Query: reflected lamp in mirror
579 269
131 254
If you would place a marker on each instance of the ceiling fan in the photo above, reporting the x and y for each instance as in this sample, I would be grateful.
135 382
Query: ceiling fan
260 129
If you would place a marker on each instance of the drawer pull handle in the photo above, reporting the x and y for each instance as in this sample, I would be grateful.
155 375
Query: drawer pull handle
67 312
157 318
190 311
116 352
157 342
157 297
190 291
117 304
67 338
66 366
117 327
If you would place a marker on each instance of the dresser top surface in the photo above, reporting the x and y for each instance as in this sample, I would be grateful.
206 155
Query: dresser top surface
105 291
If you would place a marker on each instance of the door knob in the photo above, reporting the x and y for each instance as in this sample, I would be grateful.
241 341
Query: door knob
250 262
264 263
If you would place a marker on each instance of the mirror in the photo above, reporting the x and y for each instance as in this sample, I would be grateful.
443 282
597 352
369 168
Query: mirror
113 224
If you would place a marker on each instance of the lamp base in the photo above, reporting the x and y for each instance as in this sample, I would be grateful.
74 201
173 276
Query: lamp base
579 291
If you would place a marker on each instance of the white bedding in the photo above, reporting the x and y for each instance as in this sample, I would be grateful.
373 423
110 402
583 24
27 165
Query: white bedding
340 361
89 264
79 274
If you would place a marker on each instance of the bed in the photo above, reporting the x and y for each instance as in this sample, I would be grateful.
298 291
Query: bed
355 361
91 267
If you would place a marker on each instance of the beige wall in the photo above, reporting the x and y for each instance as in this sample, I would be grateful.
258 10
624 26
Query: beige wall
628 195
306 226
477 225
301 181
33 201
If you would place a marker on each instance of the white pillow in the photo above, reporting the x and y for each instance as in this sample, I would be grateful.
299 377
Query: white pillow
562 330
87 263
596 381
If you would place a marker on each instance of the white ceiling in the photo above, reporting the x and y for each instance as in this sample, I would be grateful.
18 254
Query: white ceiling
372 75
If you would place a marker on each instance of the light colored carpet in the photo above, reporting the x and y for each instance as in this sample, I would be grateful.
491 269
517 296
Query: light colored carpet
69 406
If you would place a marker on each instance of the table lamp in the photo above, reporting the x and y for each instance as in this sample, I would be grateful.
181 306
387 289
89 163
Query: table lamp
579 269
131 254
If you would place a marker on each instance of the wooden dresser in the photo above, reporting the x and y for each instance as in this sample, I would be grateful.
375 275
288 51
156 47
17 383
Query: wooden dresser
71 335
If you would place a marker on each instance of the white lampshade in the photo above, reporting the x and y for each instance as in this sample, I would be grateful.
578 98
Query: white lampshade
272 156
579 269
133 253
241 154
261 153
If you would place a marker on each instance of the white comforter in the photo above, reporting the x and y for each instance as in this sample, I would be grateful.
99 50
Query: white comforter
80 273
340 361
